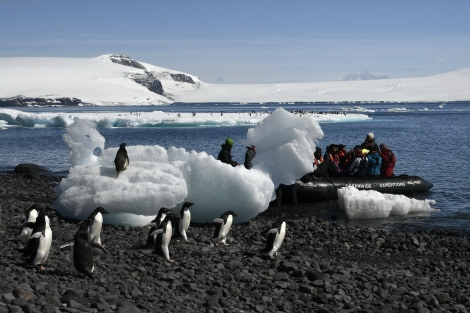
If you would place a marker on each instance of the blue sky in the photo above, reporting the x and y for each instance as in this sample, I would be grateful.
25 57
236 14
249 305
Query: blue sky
249 41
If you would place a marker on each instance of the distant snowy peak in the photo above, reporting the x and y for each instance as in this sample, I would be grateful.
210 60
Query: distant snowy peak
109 79
155 79
116 79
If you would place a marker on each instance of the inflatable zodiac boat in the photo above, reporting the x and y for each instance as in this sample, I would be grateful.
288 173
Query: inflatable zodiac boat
326 188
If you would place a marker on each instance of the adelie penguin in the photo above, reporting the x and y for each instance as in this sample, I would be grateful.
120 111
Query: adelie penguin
163 237
184 220
82 250
27 226
222 227
275 238
39 244
96 223
121 161
155 224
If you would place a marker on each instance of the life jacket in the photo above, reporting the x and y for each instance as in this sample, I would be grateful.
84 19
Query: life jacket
317 162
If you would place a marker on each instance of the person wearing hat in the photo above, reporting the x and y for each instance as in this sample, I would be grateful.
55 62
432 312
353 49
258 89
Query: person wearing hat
317 158
225 154
249 156
358 166
369 142
342 157
329 167
388 161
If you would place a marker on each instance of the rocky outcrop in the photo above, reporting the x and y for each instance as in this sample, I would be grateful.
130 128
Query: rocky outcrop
126 60
149 81
182 78
21 101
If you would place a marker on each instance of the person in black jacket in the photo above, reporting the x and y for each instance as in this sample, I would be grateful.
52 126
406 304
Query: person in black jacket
225 154
329 168
249 156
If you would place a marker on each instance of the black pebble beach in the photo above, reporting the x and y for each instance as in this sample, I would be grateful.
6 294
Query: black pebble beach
322 266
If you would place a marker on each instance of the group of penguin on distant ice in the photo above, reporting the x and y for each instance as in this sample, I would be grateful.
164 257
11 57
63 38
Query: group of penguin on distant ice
37 234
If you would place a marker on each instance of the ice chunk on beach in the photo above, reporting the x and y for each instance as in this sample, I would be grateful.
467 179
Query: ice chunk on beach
370 204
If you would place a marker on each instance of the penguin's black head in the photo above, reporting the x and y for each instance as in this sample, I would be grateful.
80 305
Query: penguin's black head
187 204
122 145
42 213
101 210
164 210
229 213
33 207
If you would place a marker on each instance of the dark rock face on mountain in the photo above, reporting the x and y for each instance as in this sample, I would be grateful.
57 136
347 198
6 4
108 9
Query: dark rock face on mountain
126 60
182 78
149 81
20 101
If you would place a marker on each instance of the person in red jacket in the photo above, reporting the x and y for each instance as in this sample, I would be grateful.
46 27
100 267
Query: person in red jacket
388 161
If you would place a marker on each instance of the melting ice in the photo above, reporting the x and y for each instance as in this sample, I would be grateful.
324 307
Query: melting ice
159 177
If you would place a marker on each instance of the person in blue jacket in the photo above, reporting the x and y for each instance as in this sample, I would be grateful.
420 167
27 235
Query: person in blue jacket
374 161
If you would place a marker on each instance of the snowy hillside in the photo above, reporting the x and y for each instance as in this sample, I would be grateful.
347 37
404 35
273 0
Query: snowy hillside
120 80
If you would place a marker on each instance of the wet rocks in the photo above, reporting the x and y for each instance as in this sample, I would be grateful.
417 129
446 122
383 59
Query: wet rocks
321 267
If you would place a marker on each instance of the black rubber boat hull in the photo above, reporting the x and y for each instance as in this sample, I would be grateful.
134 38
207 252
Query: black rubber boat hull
326 188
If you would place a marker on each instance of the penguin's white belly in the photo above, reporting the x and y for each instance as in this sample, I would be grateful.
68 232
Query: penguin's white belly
185 221
94 232
44 248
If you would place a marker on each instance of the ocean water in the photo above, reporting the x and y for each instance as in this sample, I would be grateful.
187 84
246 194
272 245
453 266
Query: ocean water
430 140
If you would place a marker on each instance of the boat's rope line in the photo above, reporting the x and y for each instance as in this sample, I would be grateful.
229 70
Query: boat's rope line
328 180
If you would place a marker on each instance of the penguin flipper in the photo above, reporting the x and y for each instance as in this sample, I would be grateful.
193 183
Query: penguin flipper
65 245
98 246
156 232
149 225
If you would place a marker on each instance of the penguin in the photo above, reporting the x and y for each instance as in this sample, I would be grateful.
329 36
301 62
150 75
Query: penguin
184 220
39 244
275 237
155 224
96 223
122 159
82 252
27 226
222 226
163 237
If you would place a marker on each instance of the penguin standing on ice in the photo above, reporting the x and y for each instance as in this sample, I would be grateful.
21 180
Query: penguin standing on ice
184 220
96 223
155 224
275 237
27 226
222 227
82 252
163 237
39 245
121 161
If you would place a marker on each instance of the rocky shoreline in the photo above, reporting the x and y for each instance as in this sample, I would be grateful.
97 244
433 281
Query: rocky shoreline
322 267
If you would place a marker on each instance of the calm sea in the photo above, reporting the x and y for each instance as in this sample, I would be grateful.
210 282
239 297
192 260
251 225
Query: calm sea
430 140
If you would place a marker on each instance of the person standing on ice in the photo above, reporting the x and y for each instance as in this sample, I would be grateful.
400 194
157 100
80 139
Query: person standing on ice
249 156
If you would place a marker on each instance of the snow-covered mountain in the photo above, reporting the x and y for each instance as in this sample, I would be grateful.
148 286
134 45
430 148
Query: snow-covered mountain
120 80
